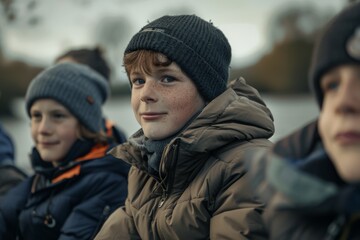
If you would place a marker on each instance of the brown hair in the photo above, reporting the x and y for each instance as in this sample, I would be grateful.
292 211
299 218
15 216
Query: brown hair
94 58
144 60
98 137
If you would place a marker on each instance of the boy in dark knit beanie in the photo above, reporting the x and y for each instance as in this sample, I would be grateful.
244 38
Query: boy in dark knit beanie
188 179
311 179
75 184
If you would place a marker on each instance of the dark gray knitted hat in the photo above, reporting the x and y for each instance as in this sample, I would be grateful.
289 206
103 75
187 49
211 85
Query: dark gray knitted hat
198 47
80 89
338 44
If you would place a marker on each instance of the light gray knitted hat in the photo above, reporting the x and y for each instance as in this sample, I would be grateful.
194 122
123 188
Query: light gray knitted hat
77 87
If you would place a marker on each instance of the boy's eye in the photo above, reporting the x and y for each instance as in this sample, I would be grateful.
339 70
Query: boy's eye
59 115
137 81
35 116
168 79
329 85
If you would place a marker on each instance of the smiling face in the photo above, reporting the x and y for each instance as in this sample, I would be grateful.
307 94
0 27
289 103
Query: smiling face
339 122
53 128
163 99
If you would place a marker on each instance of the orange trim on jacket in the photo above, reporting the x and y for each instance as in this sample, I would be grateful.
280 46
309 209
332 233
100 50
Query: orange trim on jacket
97 151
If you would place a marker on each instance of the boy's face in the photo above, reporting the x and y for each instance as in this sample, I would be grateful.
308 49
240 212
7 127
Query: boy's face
163 100
53 128
339 122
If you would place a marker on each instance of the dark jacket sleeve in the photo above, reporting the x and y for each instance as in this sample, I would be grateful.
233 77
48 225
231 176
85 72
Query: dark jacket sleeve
10 176
6 147
106 192
120 225
10 207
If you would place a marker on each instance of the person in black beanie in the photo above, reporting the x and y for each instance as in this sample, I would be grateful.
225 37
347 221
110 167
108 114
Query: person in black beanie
76 185
187 179
311 179
91 57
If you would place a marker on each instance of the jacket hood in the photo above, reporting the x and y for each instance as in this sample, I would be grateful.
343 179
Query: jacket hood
78 149
237 114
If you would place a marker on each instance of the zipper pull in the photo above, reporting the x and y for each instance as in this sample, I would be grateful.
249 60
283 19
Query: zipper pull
49 221
335 228
162 200
106 210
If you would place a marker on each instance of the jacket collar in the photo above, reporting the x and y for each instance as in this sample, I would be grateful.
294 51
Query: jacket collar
97 151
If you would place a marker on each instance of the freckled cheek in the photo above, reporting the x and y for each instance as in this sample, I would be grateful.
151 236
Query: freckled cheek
185 103
135 103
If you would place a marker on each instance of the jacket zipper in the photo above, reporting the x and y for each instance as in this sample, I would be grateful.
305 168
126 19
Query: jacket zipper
162 200
169 183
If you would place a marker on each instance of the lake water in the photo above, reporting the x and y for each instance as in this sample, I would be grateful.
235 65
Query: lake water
289 112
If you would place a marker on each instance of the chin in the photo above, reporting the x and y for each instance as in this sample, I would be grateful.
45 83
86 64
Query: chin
155 138
47 158
50 160
154 135
350 175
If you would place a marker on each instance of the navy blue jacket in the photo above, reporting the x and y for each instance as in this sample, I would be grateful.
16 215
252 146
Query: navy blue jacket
72 205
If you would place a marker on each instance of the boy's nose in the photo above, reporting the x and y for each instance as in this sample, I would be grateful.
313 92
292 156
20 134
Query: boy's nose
349 97
148 92
45 126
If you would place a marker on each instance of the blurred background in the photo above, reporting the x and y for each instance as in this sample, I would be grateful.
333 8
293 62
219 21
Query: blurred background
271 41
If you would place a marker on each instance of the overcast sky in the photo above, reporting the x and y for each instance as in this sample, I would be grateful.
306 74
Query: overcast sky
70 23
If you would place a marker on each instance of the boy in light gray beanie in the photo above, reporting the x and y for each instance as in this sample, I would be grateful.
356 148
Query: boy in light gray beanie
95 59
75 184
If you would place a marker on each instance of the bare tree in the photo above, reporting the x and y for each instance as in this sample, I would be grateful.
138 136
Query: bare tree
295 21
111 33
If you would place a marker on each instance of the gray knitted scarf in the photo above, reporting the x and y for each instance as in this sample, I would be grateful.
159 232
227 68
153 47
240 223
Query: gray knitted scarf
154 148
